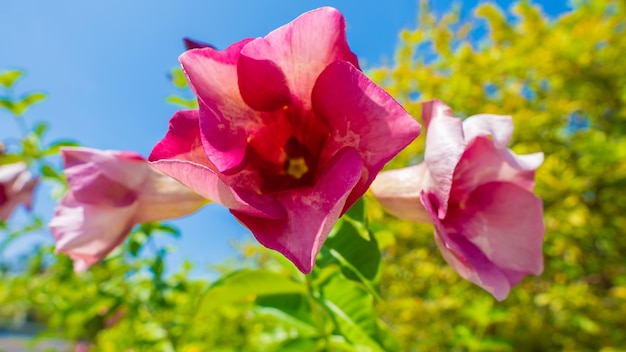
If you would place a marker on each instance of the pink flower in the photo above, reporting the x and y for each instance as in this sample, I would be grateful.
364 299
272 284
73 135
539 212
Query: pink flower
16 187
289 132
477 193
109 193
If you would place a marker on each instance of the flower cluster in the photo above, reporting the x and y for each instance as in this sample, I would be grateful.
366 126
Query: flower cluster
288 135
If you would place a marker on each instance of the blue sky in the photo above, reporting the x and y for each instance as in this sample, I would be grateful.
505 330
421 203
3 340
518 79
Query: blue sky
104 66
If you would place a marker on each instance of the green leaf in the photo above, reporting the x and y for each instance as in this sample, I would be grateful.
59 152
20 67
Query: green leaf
297 345
178 78
168 229
352 247
180 101
10 158
8 78
49 171
20 107
352 310
291 309
249 284
40 128
55 147
6 103
30 145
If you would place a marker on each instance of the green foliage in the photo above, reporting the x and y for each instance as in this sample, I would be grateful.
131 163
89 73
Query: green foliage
564 82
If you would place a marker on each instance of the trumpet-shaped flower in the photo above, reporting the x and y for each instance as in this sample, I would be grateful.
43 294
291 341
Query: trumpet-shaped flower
289 132
16 187
109 193
477 193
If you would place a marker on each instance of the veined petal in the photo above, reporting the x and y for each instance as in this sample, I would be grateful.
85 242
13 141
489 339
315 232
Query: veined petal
162 198
180 155
482 163
87 233
399 192
303 48
445 145
311 212
494 239
225 116
103 177
499 127
363 116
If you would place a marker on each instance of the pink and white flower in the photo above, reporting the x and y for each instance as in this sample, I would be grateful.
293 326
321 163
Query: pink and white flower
109 193
477 193
17 185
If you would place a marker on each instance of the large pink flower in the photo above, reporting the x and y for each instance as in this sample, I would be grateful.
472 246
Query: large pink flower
16 187
477 193
109 193
289 132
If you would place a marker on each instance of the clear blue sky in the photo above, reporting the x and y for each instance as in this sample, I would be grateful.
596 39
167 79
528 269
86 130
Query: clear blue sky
104 65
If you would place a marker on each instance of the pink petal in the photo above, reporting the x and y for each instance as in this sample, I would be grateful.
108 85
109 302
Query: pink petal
311 212
500 128
302 49
444 146
180 156
363 116
163 198
17 186
262 84
87 233
399 192
482 163
494 239
213 76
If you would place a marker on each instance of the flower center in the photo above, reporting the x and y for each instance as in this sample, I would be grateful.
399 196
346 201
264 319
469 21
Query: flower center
285 151
296 167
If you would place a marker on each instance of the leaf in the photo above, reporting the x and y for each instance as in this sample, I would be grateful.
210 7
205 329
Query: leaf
49 171
291 309
40 128
352 310
6 103
178 78
352 247
249 284
297 345
180 101
8 78
20 107
55 147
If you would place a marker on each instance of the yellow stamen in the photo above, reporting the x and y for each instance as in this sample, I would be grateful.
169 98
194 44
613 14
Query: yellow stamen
297 167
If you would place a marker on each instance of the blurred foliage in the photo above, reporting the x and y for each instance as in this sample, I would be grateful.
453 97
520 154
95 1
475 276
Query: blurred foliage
564 82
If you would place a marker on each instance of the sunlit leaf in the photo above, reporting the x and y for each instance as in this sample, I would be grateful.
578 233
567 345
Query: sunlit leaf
8 78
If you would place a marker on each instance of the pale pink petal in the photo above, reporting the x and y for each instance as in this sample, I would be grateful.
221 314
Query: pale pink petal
87 233
311 212
162 197
363 116
399 192
444 146
17 186
125 168
303 48
180 156
494 239
483 163
499 127
213 76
